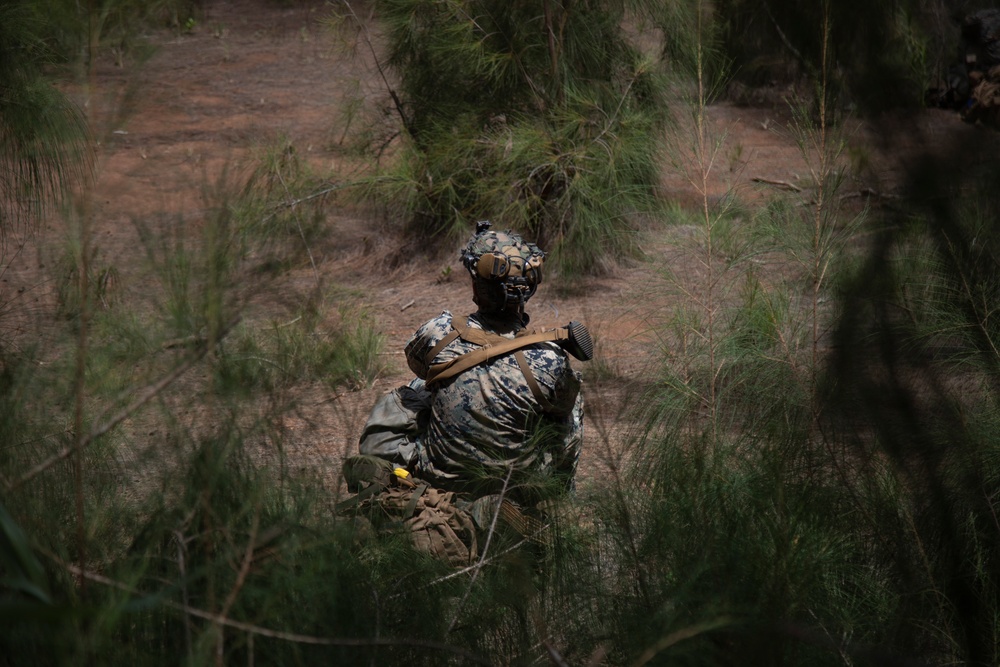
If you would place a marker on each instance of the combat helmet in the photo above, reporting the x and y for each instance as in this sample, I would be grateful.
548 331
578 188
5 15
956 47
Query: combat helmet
506 270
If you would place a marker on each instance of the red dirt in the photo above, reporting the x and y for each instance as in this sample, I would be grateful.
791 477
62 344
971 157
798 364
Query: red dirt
251 72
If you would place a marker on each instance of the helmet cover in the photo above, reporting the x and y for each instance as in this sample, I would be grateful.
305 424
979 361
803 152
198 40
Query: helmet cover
503 261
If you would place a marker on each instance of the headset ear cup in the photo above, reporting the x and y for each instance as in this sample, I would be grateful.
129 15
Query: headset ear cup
493 266
580 344
534 275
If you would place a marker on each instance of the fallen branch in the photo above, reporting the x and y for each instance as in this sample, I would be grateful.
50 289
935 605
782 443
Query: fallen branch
868 192
196 339
780 184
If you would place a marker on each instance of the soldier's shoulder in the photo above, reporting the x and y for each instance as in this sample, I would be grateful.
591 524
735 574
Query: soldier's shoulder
424 339
436 324
549 350
548 356
445 316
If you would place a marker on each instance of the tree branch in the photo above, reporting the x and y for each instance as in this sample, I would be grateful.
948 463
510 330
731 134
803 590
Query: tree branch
277 634
392 93
142 397
482 559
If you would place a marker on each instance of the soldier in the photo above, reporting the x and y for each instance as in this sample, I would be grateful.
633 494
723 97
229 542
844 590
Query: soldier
493 405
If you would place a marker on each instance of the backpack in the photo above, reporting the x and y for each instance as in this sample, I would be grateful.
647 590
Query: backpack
392 500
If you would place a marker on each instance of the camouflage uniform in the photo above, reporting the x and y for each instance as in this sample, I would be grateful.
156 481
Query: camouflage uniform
486 421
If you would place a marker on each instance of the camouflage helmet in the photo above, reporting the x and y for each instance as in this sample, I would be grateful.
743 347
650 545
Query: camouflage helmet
506 270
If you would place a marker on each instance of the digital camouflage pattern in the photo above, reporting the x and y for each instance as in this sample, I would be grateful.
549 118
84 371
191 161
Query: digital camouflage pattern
486 421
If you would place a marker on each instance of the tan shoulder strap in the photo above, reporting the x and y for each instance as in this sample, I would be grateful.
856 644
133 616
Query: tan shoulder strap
480 337
529 377
452 335
492 347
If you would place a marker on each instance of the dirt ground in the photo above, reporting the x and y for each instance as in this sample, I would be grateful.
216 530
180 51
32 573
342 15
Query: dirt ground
253 71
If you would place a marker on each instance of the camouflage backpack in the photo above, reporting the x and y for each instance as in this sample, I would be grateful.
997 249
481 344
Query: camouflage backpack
391 499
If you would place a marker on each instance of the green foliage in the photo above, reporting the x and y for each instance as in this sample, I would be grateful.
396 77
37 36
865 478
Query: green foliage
749 535
75 27
914 383
222 534
757 538
549 131
295 351
24 572
43 149
887 53
278 206
692 43
102 283
196 275
791 497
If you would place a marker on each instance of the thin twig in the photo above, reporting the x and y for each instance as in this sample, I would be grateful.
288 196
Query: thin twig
869 192
182 568
80 375
292 203
464 570
482 559
378 622
781 34
41 438
301 200
241 577
276 634
298 225
381 72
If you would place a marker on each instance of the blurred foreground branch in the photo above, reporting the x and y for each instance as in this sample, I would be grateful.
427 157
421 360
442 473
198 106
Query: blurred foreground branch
105 424
221 619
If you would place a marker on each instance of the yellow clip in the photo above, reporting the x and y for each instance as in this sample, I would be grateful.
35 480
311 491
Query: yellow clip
403 478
